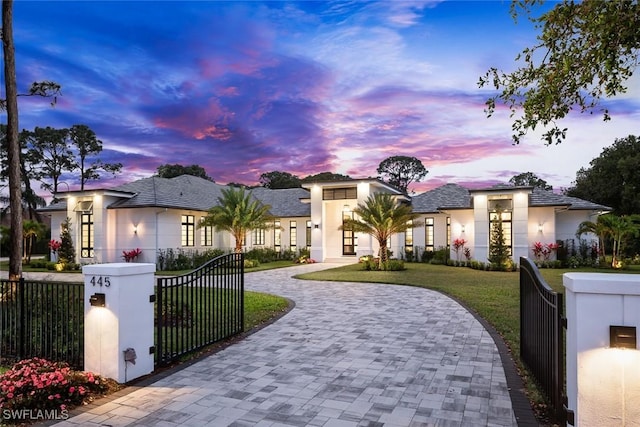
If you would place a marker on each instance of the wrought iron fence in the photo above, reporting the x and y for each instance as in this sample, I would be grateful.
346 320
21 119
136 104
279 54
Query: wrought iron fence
42 319
542 335
200 308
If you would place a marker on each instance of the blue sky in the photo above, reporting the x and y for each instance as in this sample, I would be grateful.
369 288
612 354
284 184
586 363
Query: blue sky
243 88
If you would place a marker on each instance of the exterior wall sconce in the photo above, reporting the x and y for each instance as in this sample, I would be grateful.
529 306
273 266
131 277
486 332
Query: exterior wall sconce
540 227
135 229
97 300
462 228
346 208
622 337
316 226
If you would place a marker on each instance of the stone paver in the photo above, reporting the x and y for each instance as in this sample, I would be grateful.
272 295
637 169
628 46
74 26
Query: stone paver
348 354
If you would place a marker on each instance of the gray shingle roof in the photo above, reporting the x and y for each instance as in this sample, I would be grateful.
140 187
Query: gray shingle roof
285 202
451 196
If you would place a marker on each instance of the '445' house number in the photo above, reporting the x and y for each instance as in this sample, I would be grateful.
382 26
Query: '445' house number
100 281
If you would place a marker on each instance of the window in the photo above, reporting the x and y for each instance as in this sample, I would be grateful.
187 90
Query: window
448 232
348 238
258 236
277 235
408 238
293 236
206 234
494 219
308 239
428 235
339 193
86 234
187 234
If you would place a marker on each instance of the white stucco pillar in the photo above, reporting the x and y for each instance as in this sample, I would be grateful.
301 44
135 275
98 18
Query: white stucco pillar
125 321
603 383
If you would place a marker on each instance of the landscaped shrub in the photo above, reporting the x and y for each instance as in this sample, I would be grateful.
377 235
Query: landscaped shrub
392 265
40 385
180 259
440 256
264 255
427 256
251 263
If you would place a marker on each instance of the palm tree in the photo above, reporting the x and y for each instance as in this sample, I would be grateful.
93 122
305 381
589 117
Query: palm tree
380 216
31 230
618 228
238 212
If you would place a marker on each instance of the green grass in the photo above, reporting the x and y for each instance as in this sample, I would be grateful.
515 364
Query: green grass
260 308
495 296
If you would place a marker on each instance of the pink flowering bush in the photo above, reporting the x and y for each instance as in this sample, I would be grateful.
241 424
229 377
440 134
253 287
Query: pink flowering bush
39 384
543 251
54 245
131 255
458 244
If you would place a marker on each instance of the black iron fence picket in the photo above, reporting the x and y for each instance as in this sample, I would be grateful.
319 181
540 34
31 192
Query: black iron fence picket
542 335
200 308
42 319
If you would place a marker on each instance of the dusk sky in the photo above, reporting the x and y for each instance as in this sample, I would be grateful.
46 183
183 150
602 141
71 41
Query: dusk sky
243 88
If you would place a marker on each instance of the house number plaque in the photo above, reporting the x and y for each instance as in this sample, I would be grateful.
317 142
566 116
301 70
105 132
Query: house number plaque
100 281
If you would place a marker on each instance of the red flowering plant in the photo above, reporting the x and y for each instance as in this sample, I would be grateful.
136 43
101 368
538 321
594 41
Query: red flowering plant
131 255
39 384
458 244
538 250
54 245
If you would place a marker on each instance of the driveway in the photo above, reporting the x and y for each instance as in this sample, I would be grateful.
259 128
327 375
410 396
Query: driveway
348 354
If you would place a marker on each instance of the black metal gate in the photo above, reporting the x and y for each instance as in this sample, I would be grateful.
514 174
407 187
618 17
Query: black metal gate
199 308
42 319
542 336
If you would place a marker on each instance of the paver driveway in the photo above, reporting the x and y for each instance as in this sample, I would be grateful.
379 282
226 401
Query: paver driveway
348 354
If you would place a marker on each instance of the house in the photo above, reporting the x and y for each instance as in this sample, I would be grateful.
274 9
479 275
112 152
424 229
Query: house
159 213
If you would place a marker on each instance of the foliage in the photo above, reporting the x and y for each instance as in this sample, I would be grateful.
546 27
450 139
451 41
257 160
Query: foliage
499 252
49 155
619 229
613 178
66 253
325 177
172 171
31 230
251 263
402 171
87 144
263 254
529 179
180 259
458 245
238 213
277 179
543 251
39 384
54 245
585 51
381 216
392 265
132 255
304 259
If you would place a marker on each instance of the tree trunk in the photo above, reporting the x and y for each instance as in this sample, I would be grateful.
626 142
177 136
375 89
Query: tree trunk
15 190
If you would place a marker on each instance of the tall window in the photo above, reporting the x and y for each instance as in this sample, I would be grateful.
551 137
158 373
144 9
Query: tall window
308 239
187 233
494 219
428 234
206 234
448 232
408 238
258 236
348 238
293 236
277 236
86 234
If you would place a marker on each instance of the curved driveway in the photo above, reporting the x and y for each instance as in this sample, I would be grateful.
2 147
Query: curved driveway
348 354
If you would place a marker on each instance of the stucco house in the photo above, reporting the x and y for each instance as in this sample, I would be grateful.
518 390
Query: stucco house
158 213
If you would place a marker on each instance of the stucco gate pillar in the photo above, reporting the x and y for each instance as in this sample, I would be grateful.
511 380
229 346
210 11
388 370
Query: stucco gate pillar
603 363
118 319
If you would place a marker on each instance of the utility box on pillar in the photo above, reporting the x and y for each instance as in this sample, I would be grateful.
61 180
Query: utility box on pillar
118 325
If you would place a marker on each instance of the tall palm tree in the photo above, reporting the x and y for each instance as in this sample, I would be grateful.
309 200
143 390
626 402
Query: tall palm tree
380 216
238 212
